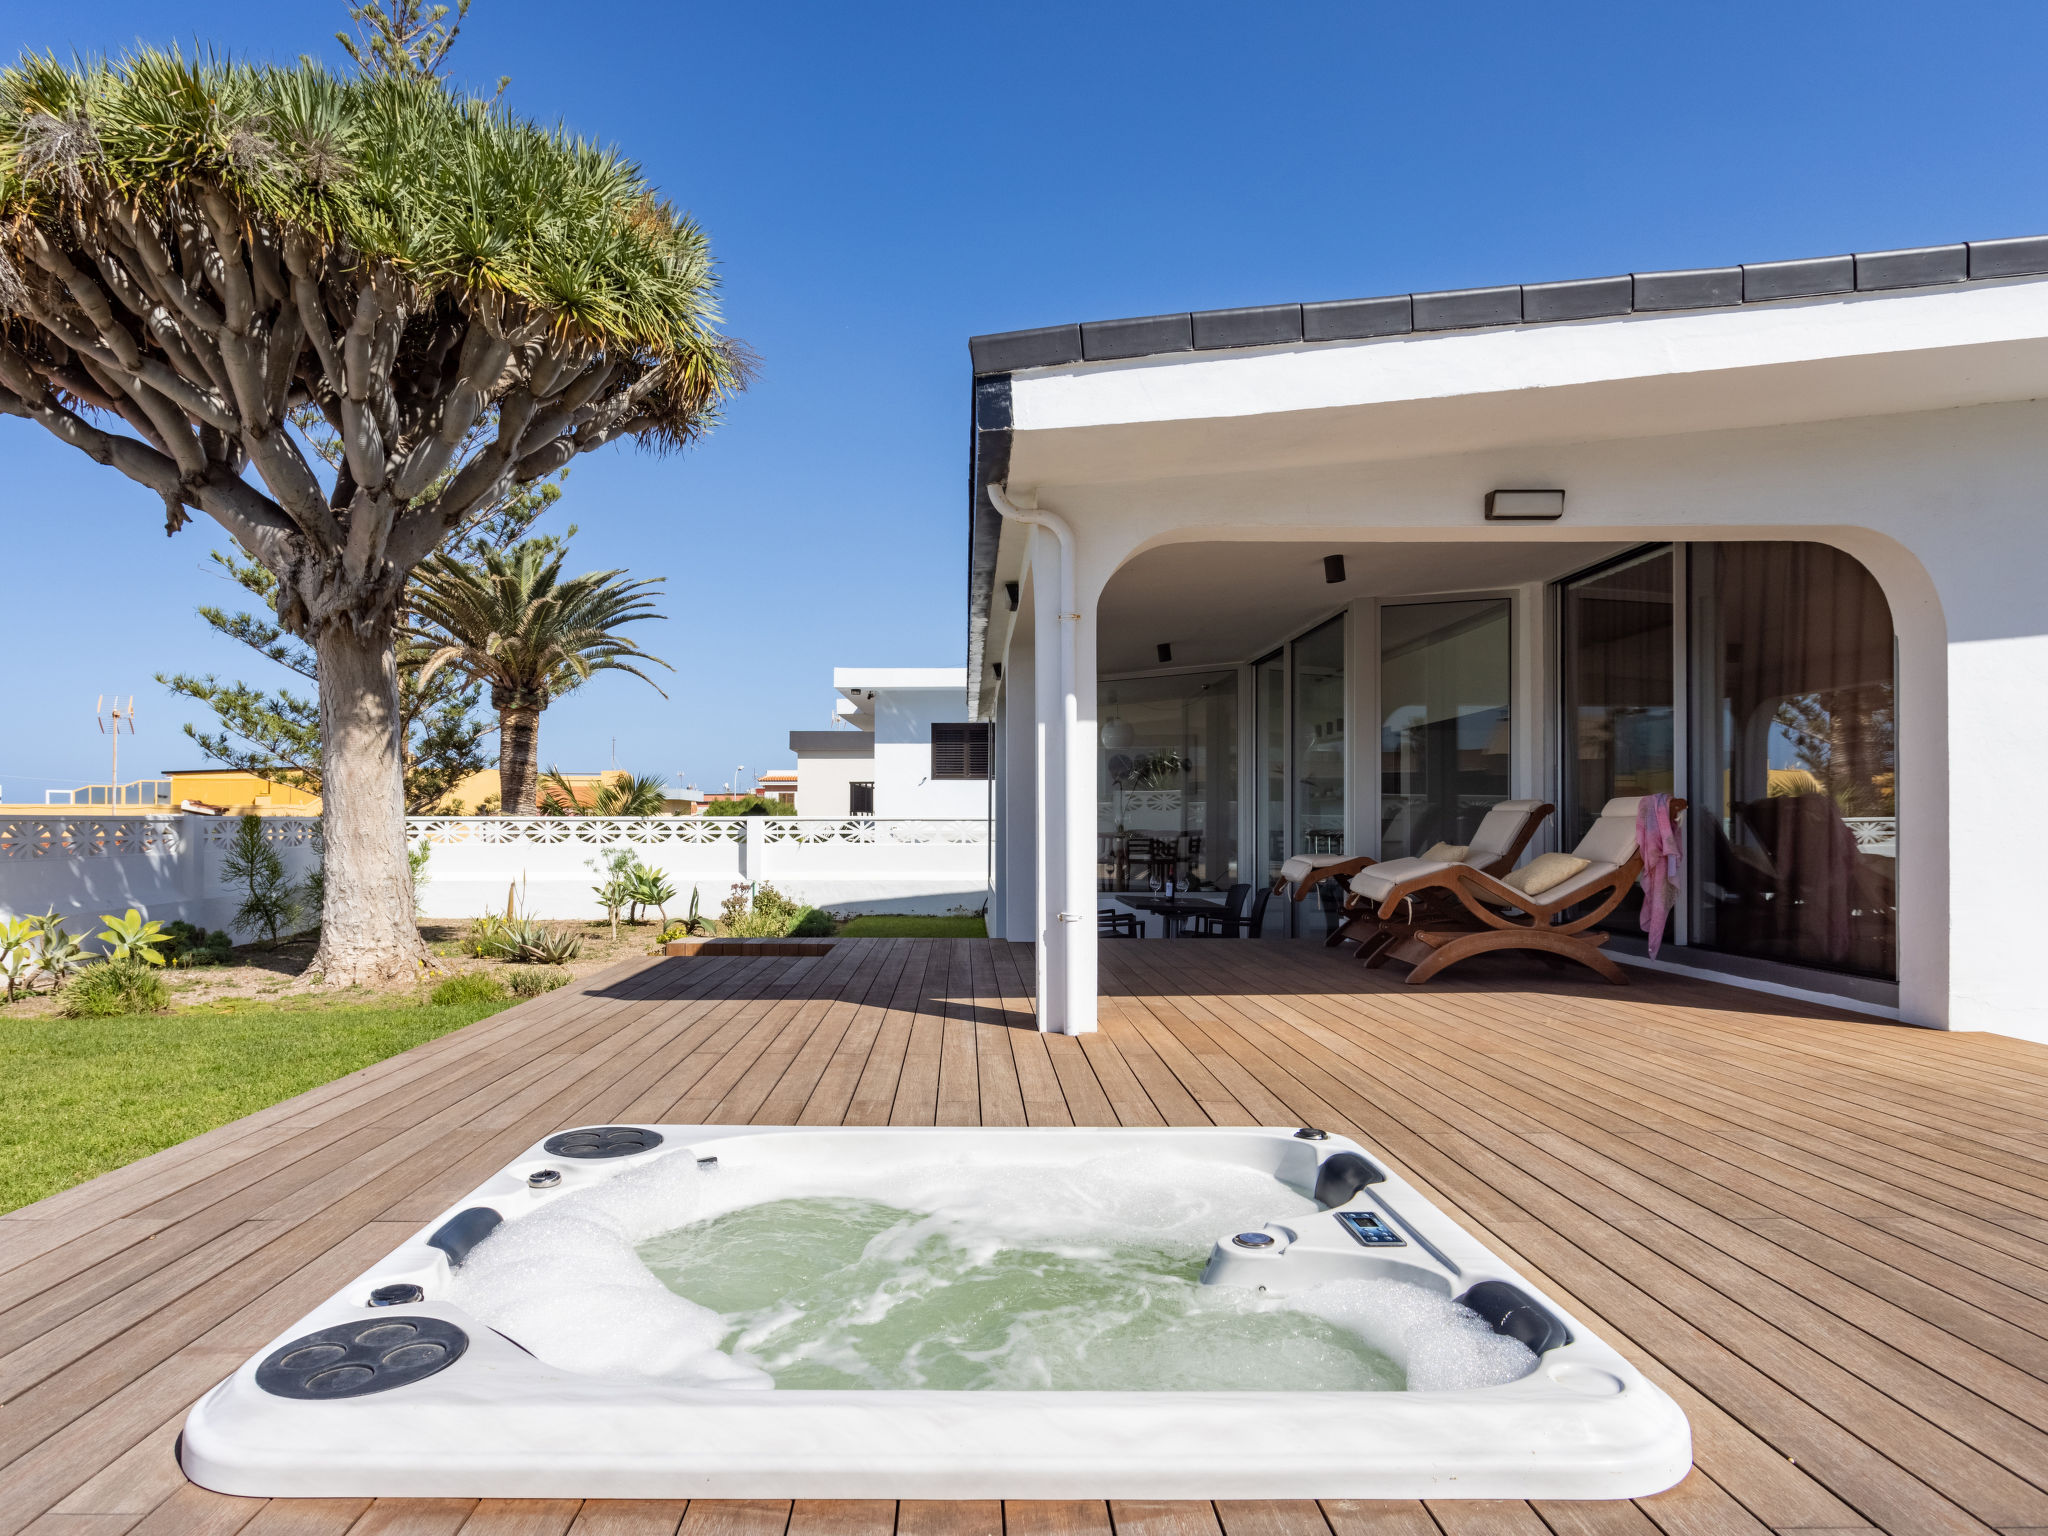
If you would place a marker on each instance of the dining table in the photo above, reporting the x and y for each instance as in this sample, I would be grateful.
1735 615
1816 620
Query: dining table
1173 910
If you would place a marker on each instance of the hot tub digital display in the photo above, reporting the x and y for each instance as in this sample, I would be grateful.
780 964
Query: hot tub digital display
1370 1230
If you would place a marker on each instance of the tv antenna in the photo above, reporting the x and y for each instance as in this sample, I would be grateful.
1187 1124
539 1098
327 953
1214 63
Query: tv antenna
111 717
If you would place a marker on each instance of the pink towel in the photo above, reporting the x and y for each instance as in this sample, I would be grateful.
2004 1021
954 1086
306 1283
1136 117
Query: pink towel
1657 840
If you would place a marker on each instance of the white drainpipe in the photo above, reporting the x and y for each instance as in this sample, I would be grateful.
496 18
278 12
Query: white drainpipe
1077 900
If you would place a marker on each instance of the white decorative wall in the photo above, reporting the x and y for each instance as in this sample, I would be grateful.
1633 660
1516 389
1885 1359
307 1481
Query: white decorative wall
168 866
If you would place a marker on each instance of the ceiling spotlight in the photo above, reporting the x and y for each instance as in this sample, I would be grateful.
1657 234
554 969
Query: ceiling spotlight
1333 569
1165 653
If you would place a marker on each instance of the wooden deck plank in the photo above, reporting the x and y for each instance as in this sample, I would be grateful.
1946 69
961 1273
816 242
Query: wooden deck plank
1726 1186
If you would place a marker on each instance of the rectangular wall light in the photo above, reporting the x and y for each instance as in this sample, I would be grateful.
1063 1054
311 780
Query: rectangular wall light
1524 506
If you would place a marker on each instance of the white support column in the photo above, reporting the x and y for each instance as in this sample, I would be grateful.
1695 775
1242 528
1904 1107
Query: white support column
1083 817
1020 864
1049 744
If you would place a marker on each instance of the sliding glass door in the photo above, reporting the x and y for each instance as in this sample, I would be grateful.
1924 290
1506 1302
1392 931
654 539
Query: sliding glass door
1299 693
1445 718
1319 739
1166 782
1794 827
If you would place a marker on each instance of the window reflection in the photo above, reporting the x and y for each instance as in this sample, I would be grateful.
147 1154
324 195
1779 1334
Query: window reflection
1445 720
1319 739
1166 783
1795 835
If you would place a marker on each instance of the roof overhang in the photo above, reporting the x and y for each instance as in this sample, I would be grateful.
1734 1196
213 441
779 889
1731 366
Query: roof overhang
1274 409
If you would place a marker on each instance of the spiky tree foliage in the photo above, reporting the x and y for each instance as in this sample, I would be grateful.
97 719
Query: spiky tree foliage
639 794
510 619
191 249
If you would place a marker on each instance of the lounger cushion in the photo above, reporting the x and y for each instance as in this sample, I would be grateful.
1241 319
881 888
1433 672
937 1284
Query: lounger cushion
1499 829
1612 838
1376 880
1585 882
1543 872
1303 865
1446 853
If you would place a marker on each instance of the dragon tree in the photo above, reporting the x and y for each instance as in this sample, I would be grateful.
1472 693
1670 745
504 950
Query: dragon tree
193 250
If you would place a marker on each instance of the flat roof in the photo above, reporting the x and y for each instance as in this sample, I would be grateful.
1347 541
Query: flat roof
1591 298
899 677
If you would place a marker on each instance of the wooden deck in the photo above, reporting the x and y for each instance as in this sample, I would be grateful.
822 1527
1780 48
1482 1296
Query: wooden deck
1737 1194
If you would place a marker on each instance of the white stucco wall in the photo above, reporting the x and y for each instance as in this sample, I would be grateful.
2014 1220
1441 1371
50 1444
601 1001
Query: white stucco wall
904 787
824 780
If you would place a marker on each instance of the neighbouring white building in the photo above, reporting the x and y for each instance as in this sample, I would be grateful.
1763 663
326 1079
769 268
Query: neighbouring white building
1335 577
907 749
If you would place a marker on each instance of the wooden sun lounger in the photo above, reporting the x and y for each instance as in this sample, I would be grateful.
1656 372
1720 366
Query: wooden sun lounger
1363 923
1486 923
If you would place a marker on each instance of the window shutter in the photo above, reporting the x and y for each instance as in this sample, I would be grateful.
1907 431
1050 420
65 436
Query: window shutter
960 751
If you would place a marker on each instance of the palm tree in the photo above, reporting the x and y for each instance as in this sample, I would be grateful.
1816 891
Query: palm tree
640 795
511 620
192 249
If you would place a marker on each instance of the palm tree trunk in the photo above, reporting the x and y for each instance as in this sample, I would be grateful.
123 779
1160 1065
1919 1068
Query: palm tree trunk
368 932
518 759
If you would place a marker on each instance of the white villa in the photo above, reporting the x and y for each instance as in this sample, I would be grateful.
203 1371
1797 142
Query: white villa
1336 577
907 749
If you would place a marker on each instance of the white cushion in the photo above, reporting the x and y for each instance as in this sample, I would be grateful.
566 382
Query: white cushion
1375 880
1302 865
1612 837
1565 890
1543 872
1447 853
1499 828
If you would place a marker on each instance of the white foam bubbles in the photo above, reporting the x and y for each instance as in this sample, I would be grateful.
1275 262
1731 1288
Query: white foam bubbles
569 1283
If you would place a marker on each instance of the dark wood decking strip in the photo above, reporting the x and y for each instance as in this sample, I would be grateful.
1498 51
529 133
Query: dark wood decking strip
1732 1188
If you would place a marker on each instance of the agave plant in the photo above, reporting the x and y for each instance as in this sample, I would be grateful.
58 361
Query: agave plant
650 888
130 938
18 954
59 956
548 946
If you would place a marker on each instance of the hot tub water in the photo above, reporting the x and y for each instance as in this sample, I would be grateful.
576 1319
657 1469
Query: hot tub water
1044 1275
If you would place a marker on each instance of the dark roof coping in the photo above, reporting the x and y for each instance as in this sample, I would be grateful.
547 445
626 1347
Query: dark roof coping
1207 330
847 742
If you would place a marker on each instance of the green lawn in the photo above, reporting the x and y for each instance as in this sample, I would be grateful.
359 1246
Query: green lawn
886 927
81 1096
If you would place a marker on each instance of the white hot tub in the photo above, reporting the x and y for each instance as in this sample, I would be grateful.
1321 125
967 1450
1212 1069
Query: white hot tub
767 1312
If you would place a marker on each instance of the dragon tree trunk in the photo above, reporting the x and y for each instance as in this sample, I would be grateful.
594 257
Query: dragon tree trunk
369 934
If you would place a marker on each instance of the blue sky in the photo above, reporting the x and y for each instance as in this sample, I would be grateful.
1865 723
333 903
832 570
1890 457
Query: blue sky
882 181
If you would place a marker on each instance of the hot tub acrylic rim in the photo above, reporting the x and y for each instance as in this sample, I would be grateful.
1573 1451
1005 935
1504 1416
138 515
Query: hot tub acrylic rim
1629 1443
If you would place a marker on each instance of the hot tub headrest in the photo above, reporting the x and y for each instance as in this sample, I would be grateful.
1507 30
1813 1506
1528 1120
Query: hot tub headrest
1513 1312
463 1231
1343 1176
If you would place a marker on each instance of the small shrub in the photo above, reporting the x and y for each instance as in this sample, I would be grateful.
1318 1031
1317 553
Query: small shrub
468 987
769 915
533 980
191 946
748 805
811 923
487 938
114 989
270 902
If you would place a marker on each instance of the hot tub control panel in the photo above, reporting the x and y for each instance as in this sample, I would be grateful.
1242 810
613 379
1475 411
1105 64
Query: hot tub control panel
1370 1230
